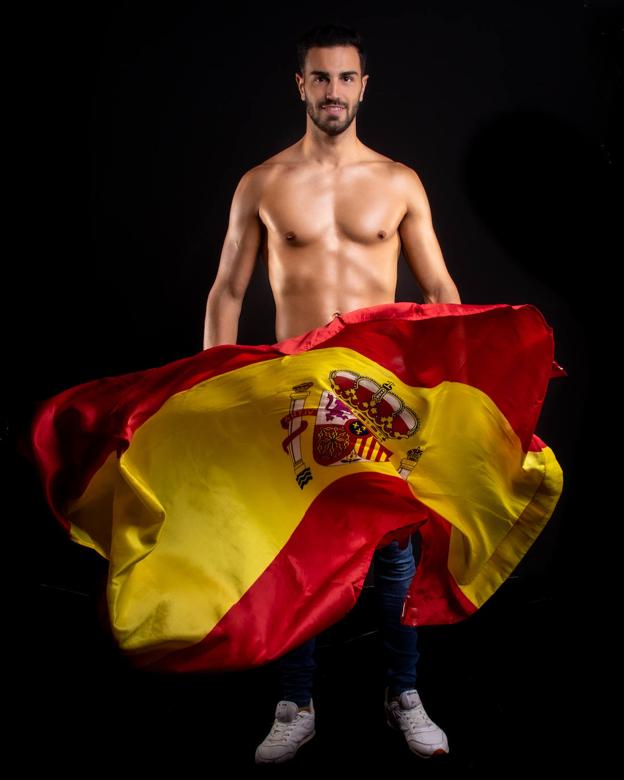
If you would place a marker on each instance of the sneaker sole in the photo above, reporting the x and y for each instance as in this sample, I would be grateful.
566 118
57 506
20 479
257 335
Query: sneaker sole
285 758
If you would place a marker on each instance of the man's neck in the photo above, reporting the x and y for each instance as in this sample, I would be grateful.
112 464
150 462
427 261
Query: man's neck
330 151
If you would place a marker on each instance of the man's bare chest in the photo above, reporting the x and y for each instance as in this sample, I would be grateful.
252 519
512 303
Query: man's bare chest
300 212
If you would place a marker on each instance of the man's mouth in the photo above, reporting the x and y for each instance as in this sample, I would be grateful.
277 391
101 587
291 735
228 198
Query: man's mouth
333 109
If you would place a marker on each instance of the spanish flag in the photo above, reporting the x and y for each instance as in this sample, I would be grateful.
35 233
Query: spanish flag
239 494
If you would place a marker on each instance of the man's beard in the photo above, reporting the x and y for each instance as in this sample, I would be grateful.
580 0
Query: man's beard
327 124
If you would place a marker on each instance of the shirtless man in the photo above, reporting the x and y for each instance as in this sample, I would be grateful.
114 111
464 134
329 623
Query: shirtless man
329 216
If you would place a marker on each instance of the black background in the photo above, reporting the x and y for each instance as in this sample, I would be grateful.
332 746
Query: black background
135 123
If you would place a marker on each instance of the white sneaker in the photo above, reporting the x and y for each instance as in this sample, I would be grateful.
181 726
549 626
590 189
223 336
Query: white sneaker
291 729
408 715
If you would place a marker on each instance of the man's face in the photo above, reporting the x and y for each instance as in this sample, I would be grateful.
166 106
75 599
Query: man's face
332 87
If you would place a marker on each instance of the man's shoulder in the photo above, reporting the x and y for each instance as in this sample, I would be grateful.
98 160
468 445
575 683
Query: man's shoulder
285 157
399 174
408 181
252 182
258 175
405 172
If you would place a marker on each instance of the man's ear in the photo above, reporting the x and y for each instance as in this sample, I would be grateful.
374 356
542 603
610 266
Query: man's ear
299 82
364 83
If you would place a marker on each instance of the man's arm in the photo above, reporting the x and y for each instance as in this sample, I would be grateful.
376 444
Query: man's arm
238 258
420 245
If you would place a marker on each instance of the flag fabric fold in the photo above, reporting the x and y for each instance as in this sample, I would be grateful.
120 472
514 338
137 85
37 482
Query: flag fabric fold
239 494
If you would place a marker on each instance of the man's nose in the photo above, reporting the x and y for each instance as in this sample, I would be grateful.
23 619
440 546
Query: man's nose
332 92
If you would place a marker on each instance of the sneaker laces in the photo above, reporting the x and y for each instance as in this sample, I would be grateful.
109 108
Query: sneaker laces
415 716
281 729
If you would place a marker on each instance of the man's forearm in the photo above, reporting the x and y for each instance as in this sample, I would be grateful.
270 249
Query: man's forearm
222 316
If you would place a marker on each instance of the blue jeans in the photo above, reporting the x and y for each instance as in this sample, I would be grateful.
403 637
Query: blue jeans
394 570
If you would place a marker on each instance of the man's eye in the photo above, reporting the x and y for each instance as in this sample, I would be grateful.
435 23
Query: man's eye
320 78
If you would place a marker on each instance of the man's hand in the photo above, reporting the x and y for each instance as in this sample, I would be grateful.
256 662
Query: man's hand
420 245
236 265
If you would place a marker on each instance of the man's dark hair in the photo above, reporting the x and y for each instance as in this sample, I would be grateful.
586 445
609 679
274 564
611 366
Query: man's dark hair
330 35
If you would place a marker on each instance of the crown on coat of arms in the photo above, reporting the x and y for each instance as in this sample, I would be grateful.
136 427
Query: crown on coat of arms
384 412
